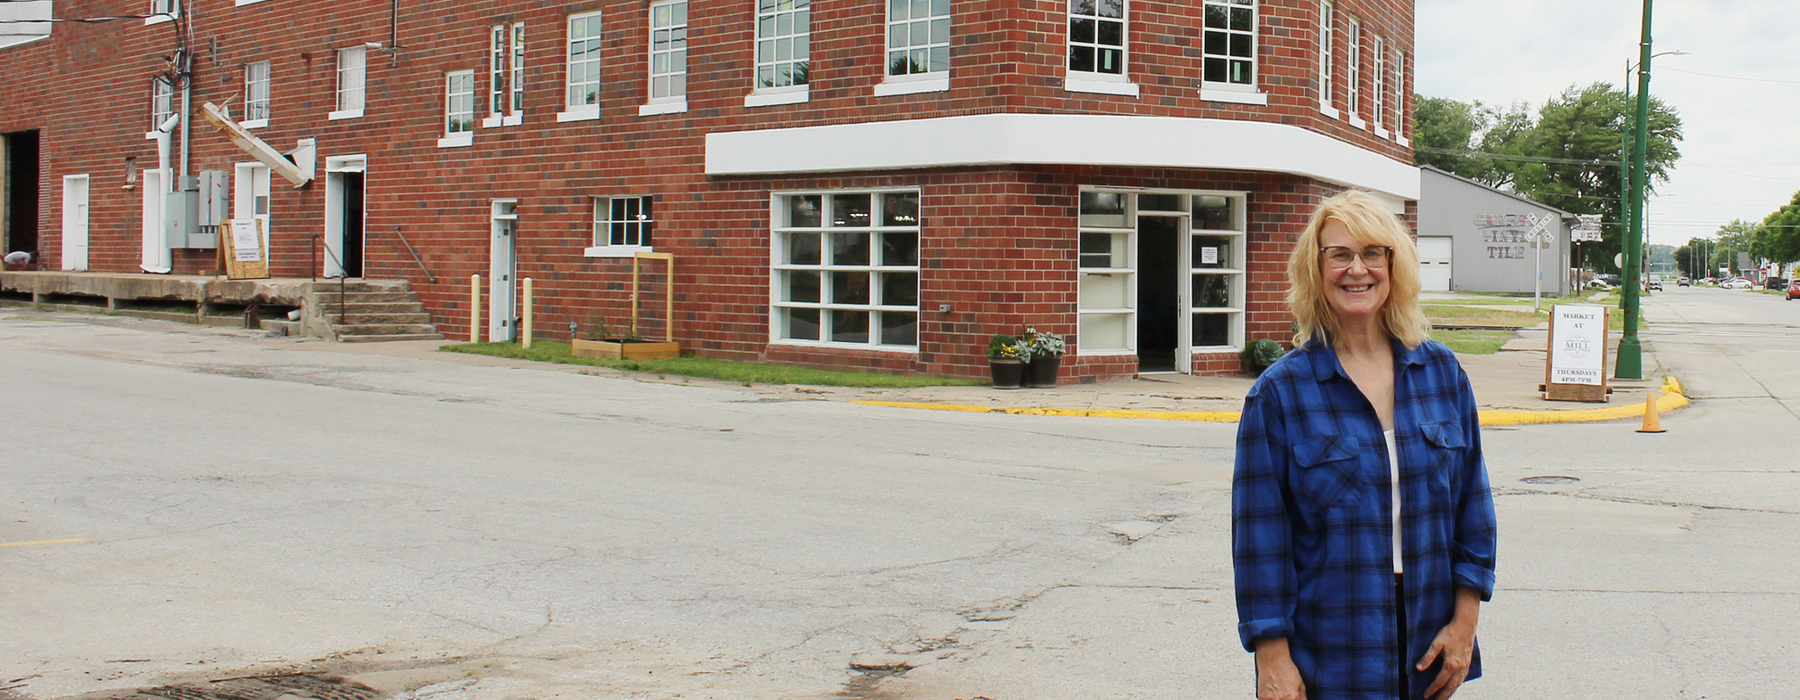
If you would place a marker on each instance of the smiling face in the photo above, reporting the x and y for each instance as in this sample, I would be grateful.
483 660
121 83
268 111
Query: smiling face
1356 293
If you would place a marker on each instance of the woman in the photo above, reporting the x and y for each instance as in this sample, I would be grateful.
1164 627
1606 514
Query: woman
1362 527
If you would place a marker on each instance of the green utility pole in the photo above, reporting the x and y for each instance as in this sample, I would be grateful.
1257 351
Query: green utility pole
1631 352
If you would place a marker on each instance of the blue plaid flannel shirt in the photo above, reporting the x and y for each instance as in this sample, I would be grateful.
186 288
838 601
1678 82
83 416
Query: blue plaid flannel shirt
1311 518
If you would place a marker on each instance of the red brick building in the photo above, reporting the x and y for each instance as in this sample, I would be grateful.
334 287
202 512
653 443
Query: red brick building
876 184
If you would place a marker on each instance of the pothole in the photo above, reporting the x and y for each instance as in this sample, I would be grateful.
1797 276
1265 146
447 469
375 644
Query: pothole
300 685
865 684
1550 479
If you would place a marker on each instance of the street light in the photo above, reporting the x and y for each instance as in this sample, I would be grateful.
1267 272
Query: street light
1631 352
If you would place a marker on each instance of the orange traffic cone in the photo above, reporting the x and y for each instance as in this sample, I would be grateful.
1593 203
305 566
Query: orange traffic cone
1652 418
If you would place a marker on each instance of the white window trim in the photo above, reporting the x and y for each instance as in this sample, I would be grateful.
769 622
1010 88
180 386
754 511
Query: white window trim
775 270
159 19
254 123
241 3
460 138
1353 71
270 77
663 107
784 95
573 113
344 114
514 73
1217 92
1327 42
1211 87
1118 86
337 94
608 249
913 84
1378 84
615 251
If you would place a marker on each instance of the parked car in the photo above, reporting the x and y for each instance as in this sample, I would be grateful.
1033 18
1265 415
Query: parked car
1653 285
1600 284
1774 283
1738 283
1793 290
1683 282
1611 279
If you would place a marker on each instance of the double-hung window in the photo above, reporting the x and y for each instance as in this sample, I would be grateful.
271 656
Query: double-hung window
506 75
1327 62
1228 52
1097 47
459 109
1353 71
583 100
918 47
783 51
622 226
162 102
668 58
845 269
1378 78
352 77
1400 94
256 95
163 11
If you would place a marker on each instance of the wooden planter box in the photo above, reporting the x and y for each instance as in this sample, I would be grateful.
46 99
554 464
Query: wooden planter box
619 350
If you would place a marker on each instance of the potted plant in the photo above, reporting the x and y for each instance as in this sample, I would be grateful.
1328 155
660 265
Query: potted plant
1261 353
604 342
1046 358
1007 356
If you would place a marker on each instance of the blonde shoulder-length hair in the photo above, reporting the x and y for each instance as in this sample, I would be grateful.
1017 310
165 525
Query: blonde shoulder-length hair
1370 223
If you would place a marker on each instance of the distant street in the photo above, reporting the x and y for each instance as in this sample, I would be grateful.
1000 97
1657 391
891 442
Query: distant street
186 503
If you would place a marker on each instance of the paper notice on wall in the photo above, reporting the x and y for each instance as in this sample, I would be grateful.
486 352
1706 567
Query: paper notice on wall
1209 255
245 243
1578 349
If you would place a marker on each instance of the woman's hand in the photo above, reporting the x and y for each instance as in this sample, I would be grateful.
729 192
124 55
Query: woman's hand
1455 644
1277 678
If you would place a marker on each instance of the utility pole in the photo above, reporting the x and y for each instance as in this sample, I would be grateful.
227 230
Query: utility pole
1631 353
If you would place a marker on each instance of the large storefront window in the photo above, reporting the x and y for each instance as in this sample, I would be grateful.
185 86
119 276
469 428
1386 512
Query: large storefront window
1162 275
845 269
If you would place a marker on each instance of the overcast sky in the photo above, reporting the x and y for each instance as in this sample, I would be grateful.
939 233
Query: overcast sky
1741 154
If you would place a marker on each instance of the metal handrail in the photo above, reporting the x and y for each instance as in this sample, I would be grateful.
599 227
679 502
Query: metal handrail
342 273
415 255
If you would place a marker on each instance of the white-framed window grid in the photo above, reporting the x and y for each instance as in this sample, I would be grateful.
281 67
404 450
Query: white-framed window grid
1401 101
1353 70
163 11
1228 49
1214 272
783 43
844 269
918 37
459 109
506 75
1097 47
352 81
1327 62
668 52
623 226
256 94
1378 87
162 102
582 99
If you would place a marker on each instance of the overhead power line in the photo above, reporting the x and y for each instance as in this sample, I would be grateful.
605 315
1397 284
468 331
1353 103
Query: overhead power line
1505 156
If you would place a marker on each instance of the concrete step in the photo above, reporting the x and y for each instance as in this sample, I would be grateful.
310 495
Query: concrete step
331 297
354 286
361 319
373 307
388 338
385 329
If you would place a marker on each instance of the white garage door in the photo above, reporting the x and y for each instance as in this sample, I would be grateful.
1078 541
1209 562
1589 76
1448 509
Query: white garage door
1434 263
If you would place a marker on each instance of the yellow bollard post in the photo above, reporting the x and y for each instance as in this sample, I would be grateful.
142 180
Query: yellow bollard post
526 342
474 308
1652 417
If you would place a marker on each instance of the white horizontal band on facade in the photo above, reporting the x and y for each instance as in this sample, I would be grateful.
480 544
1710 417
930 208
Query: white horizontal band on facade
1059 139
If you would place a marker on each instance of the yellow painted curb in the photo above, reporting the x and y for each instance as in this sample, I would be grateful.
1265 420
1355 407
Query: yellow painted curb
1672 399
76 540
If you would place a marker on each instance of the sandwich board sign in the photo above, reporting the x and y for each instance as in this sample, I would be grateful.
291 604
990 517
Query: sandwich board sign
1575 361
246 255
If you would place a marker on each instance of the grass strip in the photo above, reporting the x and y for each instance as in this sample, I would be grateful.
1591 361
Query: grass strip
1472 342
746 372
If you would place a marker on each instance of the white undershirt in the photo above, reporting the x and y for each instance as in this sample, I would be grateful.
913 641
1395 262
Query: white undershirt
1394 482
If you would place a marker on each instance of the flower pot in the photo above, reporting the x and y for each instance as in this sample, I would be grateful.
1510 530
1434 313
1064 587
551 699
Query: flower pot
1008 373
624 350
1043 371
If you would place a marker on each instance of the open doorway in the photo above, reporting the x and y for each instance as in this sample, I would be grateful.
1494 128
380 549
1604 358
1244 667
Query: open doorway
19 180
1159 293
344 212
503 265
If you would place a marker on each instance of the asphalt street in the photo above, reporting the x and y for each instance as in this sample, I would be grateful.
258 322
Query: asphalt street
184 504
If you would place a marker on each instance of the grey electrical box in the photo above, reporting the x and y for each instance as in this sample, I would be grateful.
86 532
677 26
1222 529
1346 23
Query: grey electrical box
181 214
215 195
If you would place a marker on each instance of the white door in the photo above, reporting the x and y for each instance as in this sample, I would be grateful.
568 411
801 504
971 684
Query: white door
156 255
343 198
1434 263
250 197
502 269
75 222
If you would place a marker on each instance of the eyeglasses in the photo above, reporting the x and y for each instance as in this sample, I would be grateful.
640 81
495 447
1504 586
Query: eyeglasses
1373 257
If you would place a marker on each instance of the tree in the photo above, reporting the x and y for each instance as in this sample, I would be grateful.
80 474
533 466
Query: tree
1779 238
1735 237
1568 155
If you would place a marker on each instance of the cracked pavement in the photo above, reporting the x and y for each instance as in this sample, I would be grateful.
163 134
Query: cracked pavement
252 505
